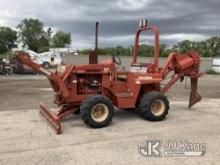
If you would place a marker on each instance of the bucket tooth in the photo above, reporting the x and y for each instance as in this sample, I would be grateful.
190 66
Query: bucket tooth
194 95
194 98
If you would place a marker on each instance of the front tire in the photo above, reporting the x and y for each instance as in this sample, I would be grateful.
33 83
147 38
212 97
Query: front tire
154 106
97 111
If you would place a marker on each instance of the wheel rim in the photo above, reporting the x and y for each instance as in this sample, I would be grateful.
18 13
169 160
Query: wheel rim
99 112
157 107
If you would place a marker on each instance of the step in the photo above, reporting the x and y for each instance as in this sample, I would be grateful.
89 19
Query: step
124 94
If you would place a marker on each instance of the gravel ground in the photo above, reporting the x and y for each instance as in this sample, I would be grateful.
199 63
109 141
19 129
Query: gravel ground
26 138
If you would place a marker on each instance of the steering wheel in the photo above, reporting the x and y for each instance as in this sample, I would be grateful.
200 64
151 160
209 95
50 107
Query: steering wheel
116 59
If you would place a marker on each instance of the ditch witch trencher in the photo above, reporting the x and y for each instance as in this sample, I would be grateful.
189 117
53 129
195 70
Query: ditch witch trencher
94 89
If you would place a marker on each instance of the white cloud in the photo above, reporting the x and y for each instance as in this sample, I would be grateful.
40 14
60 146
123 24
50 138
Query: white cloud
184 36
178 20
132 4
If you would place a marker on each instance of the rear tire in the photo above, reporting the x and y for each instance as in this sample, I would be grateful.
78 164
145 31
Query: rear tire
97 111
154 106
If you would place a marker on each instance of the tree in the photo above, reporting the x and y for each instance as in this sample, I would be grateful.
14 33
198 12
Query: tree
184 46
202 48
146 50
33 35
164 51
207 48
7 39
213 44
61 39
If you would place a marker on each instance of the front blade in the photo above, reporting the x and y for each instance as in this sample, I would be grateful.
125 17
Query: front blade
52 117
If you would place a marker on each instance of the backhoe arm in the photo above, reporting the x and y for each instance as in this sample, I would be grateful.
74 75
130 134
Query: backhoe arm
24 58
55 79
183 65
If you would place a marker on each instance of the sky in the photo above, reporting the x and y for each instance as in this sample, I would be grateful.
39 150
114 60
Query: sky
177 20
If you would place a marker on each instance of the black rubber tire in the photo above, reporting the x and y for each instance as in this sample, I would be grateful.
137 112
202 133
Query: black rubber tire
88 104
145 106
46 64
77 112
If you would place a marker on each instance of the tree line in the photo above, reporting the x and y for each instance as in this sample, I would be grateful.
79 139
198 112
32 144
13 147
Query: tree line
33 35
207 48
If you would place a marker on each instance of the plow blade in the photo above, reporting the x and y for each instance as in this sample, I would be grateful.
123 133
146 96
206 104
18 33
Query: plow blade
194 95
52 117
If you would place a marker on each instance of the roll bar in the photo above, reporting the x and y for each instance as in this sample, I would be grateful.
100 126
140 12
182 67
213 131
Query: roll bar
156 44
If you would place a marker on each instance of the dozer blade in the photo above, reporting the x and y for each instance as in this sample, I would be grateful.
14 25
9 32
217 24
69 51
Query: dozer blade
194 95
52 117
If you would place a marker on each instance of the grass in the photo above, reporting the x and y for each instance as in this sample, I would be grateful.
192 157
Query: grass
212 72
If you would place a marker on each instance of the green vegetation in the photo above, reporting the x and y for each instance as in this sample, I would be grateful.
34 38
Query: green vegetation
6 54
60 39
7 39
34 36
207 48
212 72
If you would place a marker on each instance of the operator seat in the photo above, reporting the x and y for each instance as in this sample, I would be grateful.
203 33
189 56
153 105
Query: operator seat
139 67
135 68
122 76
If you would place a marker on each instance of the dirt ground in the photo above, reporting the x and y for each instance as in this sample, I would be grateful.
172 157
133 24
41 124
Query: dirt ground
26 138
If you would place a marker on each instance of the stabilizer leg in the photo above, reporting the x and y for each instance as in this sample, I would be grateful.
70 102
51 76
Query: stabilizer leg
194 95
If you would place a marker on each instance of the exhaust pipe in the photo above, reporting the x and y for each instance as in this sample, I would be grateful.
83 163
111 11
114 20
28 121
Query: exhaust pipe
93 55
96 36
